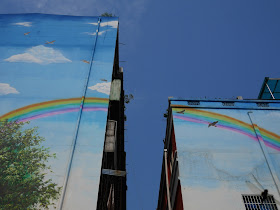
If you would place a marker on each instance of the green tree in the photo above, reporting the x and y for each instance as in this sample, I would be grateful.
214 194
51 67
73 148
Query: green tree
106 14
128 98
23 167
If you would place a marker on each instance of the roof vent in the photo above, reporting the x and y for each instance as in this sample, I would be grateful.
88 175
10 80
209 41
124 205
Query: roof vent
263 104
228 103
191 103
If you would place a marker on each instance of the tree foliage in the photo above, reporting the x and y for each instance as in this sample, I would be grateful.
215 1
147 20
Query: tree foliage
106 14
23 167
165 115
128 98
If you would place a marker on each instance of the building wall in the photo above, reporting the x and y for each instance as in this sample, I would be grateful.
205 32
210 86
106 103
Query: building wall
218 163
56 72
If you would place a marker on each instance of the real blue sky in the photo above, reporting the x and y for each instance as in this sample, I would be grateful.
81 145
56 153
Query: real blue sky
193 48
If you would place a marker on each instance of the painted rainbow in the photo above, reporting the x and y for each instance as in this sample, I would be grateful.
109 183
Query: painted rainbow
228 123
55 107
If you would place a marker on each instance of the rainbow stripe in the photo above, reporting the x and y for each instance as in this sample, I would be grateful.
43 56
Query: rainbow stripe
228 123
55 107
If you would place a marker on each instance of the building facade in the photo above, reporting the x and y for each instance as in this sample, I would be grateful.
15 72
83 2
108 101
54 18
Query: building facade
221 154
61 74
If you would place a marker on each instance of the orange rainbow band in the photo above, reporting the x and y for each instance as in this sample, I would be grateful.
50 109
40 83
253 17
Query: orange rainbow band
54 107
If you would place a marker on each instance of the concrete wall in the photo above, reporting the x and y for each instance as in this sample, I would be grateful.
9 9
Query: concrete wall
56 72
226 150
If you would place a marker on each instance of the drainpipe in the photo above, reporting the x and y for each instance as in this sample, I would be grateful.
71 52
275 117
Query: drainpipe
167 183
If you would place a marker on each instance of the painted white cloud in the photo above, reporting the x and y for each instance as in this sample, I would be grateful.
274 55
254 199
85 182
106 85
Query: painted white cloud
93 34
26 24
102 87
39 54
95 24
113 24
7 89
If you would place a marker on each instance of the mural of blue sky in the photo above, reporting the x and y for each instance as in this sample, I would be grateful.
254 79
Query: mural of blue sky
225 158
48 59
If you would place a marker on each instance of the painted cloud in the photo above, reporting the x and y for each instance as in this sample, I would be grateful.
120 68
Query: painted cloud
26 24
93 34
39 54
95 24
113 24
7 89
102 87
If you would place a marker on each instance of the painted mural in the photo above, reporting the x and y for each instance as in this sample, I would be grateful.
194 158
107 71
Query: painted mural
55 78
220 155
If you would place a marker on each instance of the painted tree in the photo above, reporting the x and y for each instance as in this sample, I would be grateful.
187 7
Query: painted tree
23 166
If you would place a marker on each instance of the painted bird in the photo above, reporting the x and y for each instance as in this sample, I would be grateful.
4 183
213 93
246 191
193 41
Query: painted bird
50 42
85 61
181 112
26 33
213 124
104 80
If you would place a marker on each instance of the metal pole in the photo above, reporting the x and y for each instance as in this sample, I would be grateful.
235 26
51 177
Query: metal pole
269 91
166 176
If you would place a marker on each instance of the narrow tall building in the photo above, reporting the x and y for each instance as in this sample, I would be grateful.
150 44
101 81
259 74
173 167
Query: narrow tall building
61 74
221 154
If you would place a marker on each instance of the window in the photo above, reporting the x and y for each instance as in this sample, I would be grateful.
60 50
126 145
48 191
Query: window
254 202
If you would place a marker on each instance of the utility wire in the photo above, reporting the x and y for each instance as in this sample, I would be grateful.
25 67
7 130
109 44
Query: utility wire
78 122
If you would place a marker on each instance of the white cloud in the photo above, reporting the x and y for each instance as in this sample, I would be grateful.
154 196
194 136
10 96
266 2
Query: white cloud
39 54
101 32
25 57
7 89
93 34
95 24
26 24
113 24
102 87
